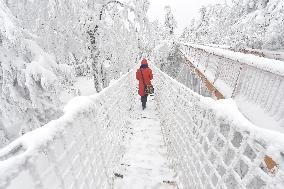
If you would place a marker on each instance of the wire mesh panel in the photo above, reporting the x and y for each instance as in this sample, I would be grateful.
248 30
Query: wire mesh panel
79 150
212 146
209 143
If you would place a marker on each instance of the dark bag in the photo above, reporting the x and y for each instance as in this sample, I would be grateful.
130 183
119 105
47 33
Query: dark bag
148 89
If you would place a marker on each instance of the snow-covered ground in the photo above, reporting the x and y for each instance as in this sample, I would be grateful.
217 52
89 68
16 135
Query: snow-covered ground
145 164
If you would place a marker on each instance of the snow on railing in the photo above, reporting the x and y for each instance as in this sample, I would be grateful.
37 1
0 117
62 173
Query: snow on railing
212 145
209 142
210 90
189 77
255 79
79 150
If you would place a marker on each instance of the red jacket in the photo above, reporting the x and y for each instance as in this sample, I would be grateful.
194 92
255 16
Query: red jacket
148 76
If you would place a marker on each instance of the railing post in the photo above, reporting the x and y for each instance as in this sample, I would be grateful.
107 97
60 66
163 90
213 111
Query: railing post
237 81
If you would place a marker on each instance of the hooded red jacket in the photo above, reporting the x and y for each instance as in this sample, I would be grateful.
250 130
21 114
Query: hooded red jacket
147 74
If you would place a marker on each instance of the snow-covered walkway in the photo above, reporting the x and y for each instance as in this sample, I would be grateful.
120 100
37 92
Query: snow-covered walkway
145 165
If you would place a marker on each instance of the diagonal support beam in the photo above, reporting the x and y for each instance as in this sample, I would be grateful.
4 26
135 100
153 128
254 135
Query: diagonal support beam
214 91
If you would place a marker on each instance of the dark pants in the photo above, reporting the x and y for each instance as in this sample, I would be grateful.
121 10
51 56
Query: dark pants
144 101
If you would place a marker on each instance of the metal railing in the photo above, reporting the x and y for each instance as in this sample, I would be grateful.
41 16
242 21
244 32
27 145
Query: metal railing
209 143
236 75
79 150
212 145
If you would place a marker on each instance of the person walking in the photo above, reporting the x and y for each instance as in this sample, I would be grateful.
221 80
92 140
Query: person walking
144 75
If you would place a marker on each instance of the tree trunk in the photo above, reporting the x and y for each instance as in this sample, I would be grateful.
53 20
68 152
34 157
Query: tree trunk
95 66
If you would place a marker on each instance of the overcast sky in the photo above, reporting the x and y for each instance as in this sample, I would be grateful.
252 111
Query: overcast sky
183 10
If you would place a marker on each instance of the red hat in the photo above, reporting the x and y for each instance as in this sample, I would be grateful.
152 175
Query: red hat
144 61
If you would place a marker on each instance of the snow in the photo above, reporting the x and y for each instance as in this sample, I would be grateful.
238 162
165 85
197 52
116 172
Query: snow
194 129
218 46
277 55
272 139
209 122
257 115
270 65
48 142
6 21
240 24
43 43
210 75
85 85
3 140
100 129
46 45
258 92
145 163
220 85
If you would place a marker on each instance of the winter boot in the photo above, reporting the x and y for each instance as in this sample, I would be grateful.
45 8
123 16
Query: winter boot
143 105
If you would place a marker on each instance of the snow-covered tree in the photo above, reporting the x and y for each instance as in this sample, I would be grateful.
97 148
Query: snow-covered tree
123 24
46 44
170 22
240 24
31 79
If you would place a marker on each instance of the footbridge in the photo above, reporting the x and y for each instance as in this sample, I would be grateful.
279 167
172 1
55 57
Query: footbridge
182 140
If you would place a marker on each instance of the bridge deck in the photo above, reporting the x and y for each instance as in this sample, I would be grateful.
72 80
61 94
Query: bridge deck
145 165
